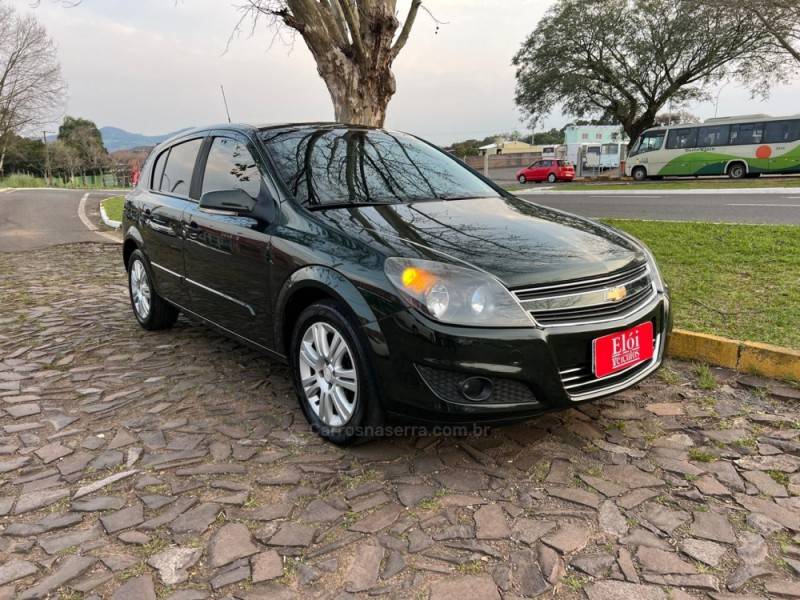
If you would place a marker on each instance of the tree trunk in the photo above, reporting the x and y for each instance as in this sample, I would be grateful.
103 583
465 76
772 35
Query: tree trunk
359 98
360 92
359 77
3 154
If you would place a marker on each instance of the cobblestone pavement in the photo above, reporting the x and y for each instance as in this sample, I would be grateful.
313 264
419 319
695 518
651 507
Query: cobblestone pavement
177 465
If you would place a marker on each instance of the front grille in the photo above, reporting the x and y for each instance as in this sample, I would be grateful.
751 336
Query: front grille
589 300
580 382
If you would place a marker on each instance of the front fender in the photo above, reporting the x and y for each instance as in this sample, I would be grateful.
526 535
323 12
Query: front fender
133 233
331 283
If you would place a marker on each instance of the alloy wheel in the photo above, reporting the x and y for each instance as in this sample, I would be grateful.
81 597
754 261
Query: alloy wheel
328 374
140 290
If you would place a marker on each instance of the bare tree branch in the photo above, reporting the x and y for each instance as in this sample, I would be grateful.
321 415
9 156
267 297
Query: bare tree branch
407 25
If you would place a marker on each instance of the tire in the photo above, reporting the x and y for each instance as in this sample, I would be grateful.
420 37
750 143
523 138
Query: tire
340 415
737 170
639 174
552 178
150 309
522 179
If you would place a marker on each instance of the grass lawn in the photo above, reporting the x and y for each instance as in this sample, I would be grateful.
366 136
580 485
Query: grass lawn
738 281
685 184
21 180
113 207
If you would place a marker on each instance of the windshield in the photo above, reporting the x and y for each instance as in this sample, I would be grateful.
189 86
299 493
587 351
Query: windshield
342 166
648 142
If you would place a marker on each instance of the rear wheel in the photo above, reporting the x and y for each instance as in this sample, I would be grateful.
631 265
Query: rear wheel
331 373
552 178
150 309
639 174
522 179
737 170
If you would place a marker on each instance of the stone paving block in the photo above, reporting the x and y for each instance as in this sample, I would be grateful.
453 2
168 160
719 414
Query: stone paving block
175 447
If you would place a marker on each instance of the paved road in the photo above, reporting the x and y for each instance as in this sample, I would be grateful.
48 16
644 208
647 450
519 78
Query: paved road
178 465
32 219
720 207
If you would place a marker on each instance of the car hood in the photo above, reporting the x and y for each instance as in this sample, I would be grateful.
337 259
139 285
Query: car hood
517 241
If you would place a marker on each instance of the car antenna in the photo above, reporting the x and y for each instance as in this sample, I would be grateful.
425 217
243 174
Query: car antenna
225 100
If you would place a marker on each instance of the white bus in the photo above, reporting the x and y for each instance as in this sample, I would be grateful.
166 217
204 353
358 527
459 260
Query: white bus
735 146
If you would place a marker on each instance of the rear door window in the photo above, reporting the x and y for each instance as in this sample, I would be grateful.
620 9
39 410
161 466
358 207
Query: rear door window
177 177
230 166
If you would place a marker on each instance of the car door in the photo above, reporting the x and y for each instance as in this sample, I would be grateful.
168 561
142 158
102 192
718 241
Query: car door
162 216
543 170
227 255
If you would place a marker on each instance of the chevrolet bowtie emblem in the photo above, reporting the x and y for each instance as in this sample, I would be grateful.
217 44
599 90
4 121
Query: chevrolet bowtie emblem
616 294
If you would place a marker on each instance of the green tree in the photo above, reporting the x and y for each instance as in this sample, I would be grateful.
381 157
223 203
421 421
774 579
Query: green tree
627 59
781 19
673 117
554 136
84 138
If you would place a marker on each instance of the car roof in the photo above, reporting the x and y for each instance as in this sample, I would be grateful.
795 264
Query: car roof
253 128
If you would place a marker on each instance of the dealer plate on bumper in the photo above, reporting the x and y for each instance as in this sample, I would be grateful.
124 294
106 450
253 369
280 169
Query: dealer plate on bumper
622 350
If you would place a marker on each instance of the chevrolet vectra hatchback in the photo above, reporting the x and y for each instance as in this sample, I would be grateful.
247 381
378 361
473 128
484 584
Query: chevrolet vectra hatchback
395 280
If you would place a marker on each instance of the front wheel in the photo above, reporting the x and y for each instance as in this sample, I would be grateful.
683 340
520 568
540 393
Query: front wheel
150 309
331 373
522 179
639 174
737 171
552 178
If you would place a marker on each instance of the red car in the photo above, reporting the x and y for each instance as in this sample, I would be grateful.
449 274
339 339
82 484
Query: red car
547 170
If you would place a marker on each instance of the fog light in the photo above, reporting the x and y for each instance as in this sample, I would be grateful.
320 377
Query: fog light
476 389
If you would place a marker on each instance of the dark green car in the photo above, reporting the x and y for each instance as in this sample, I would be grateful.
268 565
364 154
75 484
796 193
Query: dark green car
395 280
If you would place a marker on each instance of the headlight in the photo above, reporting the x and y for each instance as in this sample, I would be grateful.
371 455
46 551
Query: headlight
455 295
661 286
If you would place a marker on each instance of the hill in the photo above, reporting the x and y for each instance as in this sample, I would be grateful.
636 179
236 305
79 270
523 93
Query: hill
115 139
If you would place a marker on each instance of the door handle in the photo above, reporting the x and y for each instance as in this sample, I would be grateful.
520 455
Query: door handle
192 230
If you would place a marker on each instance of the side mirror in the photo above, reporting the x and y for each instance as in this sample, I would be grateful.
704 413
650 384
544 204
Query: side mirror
232 201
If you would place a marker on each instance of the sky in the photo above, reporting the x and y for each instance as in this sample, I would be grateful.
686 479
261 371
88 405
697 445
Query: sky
155 66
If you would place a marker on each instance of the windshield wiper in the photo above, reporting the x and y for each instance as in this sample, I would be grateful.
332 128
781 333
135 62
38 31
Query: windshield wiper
348 205
465 197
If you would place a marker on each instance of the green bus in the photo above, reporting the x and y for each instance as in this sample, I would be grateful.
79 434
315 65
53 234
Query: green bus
738 147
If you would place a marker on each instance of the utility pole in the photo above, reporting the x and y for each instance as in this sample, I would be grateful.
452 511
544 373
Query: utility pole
46 159
719 93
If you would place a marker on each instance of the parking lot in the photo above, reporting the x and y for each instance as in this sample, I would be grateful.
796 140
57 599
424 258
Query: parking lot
178 465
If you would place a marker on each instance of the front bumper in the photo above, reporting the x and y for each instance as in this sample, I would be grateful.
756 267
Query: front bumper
535 370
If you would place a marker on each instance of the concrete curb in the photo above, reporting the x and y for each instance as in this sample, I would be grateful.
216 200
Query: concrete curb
656 192
109 222
748 357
